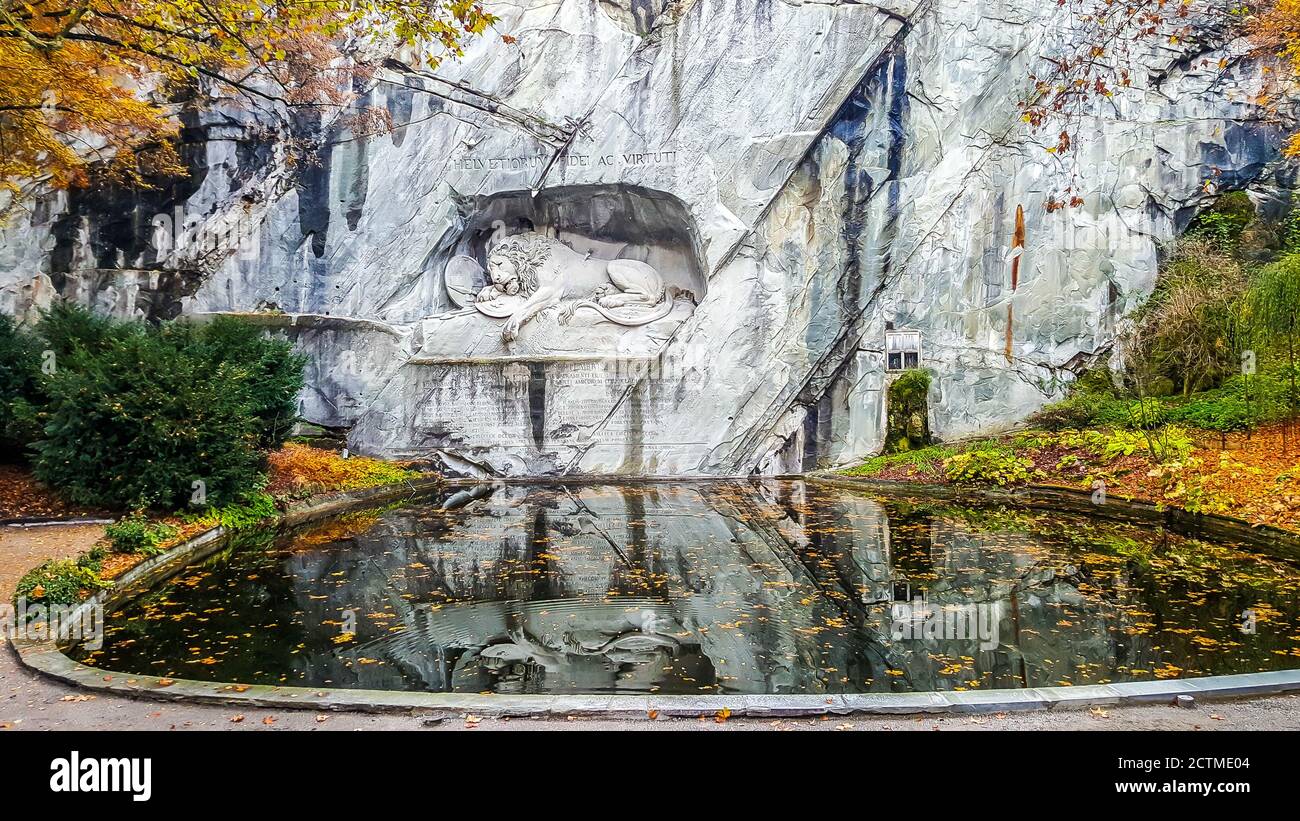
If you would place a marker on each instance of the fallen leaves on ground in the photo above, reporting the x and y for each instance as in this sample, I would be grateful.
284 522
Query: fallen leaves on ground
22 497
1250 475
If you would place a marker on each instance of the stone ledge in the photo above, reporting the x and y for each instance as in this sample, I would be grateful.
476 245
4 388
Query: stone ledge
269 319
46 659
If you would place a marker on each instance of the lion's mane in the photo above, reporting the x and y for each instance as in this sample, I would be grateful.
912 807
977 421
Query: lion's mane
528 252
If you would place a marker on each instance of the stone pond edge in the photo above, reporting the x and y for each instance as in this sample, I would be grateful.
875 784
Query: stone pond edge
44 657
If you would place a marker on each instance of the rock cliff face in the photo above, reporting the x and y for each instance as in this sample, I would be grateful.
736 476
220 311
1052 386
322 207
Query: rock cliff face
800 178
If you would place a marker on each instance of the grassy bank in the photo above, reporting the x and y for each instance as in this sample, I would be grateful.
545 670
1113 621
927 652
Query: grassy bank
1248 474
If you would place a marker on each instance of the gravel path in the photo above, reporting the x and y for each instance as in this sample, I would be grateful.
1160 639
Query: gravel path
31 702
22 548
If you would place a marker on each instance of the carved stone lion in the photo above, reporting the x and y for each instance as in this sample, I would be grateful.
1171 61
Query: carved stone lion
546 272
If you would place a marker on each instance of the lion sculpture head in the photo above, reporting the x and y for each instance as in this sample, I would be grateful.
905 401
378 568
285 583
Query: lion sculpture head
514 262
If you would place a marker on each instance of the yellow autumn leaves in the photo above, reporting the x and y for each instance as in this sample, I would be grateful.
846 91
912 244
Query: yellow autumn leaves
90 82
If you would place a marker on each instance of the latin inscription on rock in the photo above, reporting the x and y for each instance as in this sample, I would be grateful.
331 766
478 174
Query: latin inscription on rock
625 159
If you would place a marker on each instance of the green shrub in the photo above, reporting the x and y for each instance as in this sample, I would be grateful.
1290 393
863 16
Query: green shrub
273 373
1072 413
20 395
137 425
141 417
1274 302
61 581
1222 412
996 465
1242 402
1147 413
1092 401
1187 335
136 534
1221 224
253 509
66 328
1169 443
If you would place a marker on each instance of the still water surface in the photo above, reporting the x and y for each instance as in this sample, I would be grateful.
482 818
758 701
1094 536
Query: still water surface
701 588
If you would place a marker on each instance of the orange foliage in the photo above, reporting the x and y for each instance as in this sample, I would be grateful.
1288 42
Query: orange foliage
1275 29
300 470
89 82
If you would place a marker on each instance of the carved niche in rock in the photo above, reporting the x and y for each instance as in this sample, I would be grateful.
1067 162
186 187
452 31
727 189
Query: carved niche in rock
569 273
531 272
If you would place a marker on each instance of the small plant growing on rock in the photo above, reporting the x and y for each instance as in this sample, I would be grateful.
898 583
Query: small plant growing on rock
908 427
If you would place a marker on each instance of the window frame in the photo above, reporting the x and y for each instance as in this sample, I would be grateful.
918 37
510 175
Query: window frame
904 350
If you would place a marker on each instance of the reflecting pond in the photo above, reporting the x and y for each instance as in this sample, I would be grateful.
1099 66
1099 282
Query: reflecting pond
717 587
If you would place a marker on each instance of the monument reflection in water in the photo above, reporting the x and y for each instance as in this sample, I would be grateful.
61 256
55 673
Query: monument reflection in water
771 587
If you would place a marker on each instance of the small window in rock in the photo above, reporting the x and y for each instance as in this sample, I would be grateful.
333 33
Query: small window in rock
902 350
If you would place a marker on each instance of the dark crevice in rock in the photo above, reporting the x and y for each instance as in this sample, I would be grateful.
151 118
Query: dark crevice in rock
313 185
537 401
120 219
400 101
356 154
